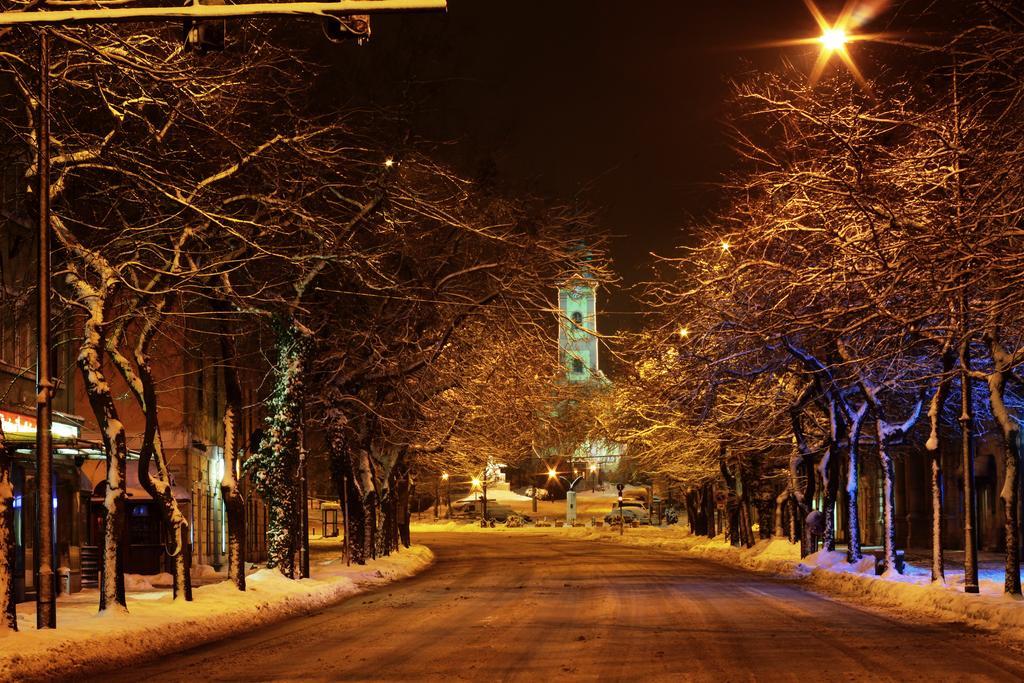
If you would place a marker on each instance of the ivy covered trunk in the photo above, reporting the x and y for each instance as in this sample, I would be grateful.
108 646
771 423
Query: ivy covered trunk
274 468
8 615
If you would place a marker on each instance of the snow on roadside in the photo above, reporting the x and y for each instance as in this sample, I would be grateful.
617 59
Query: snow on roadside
912 592
85 641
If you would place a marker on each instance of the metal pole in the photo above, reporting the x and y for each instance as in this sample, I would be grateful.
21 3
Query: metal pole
967 436
622 520
437 499
344 517
485 497
304 513
46 602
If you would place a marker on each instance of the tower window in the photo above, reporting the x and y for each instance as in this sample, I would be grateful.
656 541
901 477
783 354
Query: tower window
577 365
577 317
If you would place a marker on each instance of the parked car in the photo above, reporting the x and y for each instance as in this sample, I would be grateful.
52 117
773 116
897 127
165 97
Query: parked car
474 509
629 515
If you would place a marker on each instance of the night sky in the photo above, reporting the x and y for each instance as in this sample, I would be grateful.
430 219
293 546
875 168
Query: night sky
618 104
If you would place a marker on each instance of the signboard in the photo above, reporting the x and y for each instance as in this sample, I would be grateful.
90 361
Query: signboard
23 427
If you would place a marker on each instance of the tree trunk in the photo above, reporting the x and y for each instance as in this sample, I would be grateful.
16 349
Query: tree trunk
932 445
1010 433
1010 498
967 451
888 505
234 505
8 615
779 520
938 561
709 510
856 420
405 490
159 488
112 593
853 551
830 489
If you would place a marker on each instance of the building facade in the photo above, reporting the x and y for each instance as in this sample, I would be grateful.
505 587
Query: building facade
191 398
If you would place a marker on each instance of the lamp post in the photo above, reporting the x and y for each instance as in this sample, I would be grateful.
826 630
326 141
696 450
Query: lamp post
447 495
46 594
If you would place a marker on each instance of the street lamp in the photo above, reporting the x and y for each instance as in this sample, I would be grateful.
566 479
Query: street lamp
834 39
447 494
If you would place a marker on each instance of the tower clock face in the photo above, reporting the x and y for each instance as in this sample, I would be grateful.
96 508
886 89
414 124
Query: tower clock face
577 293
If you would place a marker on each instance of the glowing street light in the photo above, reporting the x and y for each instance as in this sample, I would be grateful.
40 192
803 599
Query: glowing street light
725 245
834 39
475 483
444 476
683 332
552 474
389 162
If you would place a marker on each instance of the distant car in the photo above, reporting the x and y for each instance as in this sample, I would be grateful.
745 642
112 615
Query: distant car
474 509
638 506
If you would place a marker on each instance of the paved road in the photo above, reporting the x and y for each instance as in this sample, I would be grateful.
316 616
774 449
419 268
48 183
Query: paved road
536 608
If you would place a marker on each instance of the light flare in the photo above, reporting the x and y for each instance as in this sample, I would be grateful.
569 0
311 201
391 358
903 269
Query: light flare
834 37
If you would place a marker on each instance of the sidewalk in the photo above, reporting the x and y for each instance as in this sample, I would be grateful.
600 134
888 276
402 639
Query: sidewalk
156 625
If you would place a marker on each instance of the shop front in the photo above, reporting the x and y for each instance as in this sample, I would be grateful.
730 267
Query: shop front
70 494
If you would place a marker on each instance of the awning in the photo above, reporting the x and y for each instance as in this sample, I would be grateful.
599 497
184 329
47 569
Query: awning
96 471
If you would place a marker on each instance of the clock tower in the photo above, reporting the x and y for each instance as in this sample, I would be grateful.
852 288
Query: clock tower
577 329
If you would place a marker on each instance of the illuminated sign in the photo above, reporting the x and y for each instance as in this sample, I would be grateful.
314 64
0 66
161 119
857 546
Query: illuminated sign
22 427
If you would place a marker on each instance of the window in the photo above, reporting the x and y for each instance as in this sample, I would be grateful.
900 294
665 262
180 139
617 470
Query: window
577 365
577 317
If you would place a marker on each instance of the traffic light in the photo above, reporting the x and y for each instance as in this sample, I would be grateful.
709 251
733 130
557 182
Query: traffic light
343 29
205 35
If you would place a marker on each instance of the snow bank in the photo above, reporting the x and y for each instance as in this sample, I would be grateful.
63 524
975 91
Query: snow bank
912 592
86 641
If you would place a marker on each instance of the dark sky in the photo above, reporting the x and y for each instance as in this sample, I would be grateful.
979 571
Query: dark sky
617 103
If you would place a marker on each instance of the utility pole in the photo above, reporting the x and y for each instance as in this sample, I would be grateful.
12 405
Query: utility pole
46 594
344 518
484 486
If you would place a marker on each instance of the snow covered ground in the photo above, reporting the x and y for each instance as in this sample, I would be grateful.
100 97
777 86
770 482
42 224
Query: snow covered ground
155 624
911 593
